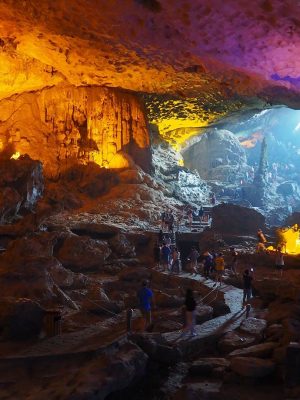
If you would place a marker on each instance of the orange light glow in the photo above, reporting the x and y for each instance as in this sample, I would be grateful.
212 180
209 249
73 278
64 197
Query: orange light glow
289 239
251 142
15 156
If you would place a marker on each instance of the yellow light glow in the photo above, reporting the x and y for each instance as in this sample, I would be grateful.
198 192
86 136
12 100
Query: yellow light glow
15 156
289 238
181 162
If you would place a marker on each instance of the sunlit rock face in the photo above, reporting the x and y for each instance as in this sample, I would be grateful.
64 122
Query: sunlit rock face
217 155
211 57
66 125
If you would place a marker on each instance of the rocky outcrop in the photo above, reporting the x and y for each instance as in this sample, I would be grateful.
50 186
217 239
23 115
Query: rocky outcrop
252 367
67 126
233 219
81 253
217 156
21 185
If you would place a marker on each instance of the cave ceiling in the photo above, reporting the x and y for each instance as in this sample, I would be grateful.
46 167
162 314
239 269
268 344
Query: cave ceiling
193 61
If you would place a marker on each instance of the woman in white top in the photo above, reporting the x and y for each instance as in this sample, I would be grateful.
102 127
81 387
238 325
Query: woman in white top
279 260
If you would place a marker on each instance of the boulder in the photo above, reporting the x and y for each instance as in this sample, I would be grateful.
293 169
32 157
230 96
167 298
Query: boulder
165 300
135 274
254 327
21 185
220 308
200 390
233 219
166 326
252 367
235 340
121 246
274 332
203 313
262 350
20 319
206 366
80 253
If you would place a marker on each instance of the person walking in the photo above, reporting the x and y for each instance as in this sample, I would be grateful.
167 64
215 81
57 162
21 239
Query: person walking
194 260
247 286
208 263
279 261
165 257
190 308
220 268
234 260
145 297
175 264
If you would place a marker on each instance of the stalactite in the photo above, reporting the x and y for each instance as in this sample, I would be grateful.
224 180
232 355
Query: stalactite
83 124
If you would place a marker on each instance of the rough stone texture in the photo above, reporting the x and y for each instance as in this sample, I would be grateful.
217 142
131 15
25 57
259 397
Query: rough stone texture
203 313
77 125
20 319
81 253
21 185
121 246
254 326
230 218
263 350
218 155
252 367
230 51
201 390
205 366
234 340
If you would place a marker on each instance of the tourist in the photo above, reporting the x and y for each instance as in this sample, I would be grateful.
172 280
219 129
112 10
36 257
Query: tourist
233 262
261 241
200 213
247 286
145 296
189 307
165 257
190 217
279 261
180 218
170 222
193 257
175 263
213 199
208 263
163 218
220 267
160 236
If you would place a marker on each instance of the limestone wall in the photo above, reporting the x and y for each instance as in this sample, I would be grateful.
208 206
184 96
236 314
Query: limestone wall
65 125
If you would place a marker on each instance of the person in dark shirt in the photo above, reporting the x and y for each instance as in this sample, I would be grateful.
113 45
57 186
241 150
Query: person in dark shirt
145 297
247 286
190 307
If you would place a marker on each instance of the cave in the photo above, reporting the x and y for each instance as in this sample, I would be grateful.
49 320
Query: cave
150 200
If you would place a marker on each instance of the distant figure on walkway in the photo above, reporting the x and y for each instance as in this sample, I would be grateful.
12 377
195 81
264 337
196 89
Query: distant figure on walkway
208 264
200 213
145 296
247 286
175 263
193 257
234 260
220 267
165 256
279 261
213 199
171 222
189 307
160 236
190 217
